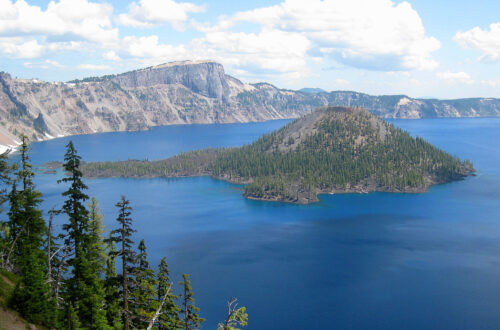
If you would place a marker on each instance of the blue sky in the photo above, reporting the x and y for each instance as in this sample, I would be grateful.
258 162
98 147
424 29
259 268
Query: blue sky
421 48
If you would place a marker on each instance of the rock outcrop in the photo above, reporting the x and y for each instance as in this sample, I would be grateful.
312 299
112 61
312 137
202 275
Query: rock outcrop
184 93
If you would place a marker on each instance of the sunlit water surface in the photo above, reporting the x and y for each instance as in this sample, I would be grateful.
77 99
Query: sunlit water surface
370 261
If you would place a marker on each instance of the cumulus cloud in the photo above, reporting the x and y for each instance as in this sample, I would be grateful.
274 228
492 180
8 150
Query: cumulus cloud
27 31
376 35
269 50
19 47
486 41
148 13
149 47
455 77
111 56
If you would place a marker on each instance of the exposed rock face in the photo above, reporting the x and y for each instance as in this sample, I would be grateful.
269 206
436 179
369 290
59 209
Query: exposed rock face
185 93
204 78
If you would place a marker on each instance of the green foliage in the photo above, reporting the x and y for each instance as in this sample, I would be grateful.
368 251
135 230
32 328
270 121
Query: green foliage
111 292
236 317
5 180
344 149
94 296
191 319
122 237
143 289
31 295
169 318
84 288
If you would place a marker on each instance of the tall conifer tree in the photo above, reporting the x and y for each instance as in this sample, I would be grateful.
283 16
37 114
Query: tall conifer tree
112 294
169 317
191 319
32 295
84 288
144 289
122 238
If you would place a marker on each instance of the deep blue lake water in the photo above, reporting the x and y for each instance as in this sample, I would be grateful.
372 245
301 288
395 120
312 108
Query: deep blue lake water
372 261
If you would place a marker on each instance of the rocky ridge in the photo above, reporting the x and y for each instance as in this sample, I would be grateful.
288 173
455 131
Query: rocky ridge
185 93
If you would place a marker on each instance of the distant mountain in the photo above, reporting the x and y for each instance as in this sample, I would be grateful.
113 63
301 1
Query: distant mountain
331 150
184 93
312 90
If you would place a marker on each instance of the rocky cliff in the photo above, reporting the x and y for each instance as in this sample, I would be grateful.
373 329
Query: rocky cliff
184 93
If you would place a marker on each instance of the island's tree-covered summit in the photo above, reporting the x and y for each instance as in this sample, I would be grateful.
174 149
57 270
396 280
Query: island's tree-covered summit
331 150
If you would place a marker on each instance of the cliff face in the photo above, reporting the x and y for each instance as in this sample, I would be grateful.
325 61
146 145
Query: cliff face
185 93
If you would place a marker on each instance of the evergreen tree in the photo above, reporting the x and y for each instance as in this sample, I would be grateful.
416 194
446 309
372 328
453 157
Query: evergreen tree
235 316
5 171
84 288
96 258
169 317
122 237
190 312
32 295
143 289
112 294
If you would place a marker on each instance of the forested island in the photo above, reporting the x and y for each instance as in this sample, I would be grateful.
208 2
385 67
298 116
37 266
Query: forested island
331 150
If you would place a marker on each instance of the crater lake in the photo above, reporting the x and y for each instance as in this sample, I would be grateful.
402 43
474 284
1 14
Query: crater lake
353 261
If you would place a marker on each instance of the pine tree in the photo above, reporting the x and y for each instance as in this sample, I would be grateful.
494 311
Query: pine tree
96 257
236 317
190 312
169 317
122 237
77 227
32 295
5 180
112 294
84 288
143 289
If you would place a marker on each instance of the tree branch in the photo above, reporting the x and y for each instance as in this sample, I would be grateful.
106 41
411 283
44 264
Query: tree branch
158 311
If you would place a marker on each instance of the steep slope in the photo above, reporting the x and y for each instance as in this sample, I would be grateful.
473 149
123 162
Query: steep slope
331 150
183 93
10 319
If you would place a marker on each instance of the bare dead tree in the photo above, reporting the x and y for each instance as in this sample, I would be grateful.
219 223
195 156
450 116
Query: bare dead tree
235 316
231 307
57 283
7 264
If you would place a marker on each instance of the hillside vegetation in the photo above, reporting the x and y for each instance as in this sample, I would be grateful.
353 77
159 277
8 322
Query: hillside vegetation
332 150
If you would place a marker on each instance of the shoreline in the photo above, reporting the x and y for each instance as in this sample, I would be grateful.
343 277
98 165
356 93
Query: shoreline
303 198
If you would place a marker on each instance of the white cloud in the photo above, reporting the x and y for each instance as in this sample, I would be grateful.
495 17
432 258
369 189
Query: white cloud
93 67
149 47
19 47
111 56
154 12
488 42
455 77
28 49
269 50
27 31
376 34
8 11
47 64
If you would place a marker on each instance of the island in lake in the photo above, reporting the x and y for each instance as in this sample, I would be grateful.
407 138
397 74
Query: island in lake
331 150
